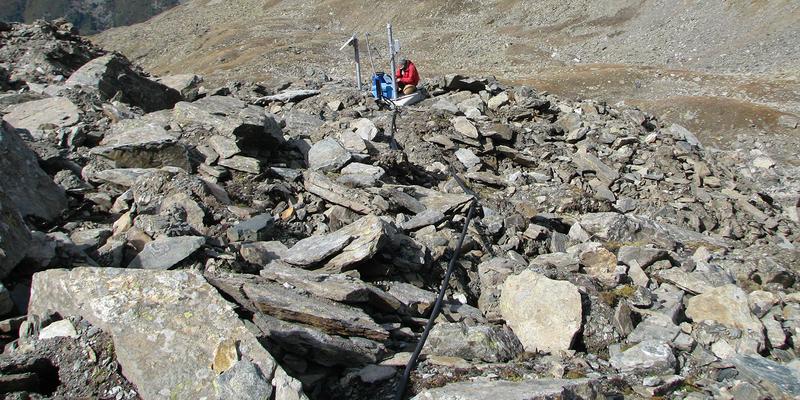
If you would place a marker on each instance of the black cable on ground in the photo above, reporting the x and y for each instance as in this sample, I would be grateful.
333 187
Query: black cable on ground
401 390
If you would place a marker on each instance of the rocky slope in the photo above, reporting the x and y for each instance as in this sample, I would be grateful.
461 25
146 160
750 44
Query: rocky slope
249 241
88 16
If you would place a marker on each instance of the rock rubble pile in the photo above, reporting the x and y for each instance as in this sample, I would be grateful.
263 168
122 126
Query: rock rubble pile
252 241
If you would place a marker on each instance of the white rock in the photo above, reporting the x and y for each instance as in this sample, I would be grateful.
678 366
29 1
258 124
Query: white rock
544 314
467 157
62 328
365 128
463 126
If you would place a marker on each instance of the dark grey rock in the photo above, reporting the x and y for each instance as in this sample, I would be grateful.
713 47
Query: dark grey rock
251 230
243 381
487 343
779 380
328 155
164 253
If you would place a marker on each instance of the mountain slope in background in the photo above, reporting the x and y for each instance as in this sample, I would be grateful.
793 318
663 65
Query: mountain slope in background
719 68
89 16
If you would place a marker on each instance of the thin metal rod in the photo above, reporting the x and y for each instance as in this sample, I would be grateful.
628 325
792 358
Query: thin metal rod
394 63
369 52
401 390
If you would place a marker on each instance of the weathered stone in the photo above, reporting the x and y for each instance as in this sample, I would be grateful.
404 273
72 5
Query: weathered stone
251 230
463 126
681 133
698 281
779 380
544 314
244 381
233 118
650 357
354 199
425 218
125 177
359 168
262 253
364 128
492 274
489 343
588 162
352 244
328 155
62 328
112 74
322 348
241 163
15 237
6 303
164 339
727 305
761 302
137 144
467 157
506 390
29 188
300 123
187 85
643 256
336 287
289 96
498 101
601 264
259 295
38 117
225 146
420 301
165 253
655 327
559 261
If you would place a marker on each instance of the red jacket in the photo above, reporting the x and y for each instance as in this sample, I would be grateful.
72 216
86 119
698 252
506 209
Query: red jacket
408 76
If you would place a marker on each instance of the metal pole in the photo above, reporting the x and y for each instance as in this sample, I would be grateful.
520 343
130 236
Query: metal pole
394 64
369 52
358 63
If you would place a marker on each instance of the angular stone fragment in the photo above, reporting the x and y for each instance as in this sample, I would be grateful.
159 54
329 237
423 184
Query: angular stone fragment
232 118
186 84
467 157
498 101
262 253
136 144
492 274
698 281
259 295
359 168
28 189
364 128
112 74
62 328
541 389
124 177
655 327
644 256
489 343
328 155
336 287
251 230
225 146
779 380
588 162
36 117
322 348
164 253
333 192
241 163
165 325
727 305
650 357
416 299
544 314
463 126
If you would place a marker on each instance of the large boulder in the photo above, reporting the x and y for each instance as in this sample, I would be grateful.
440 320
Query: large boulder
113 74
29 188
728 306
545 314
36 117
142 144
174 335
249 125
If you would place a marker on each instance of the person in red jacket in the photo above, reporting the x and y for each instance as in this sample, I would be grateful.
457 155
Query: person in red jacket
407 77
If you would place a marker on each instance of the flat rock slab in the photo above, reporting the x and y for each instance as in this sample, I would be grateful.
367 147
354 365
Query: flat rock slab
288 96
650 357
29 188
337 287
165 253
545 314
261 296
41 115
230 117
167 326
140 144
779 380
112 74
354 199
324 349
588 162
327 155
342 249
543 389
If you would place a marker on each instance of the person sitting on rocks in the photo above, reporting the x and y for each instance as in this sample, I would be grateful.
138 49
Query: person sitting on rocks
407 77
